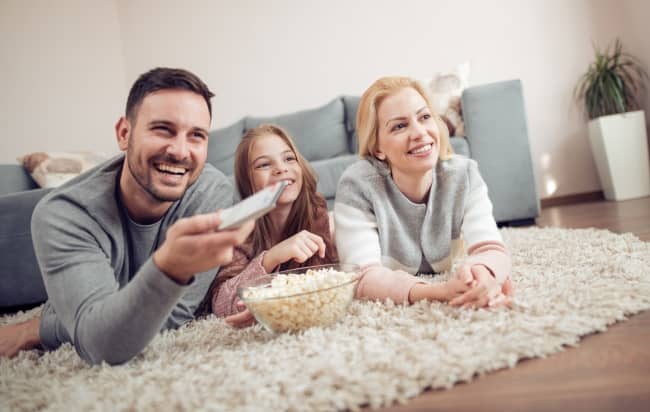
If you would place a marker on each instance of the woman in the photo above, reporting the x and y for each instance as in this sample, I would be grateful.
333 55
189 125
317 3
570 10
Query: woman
407 206
295 234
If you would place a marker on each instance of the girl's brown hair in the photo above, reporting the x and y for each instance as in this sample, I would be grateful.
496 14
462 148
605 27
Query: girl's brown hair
308 207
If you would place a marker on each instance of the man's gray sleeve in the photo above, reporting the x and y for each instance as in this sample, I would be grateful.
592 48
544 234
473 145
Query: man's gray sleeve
104 322
217 195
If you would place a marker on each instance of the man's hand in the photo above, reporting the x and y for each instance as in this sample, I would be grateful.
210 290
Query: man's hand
485 291
298 247
19 336
194 245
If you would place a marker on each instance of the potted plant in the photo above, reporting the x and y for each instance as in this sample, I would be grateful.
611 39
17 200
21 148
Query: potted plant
612 91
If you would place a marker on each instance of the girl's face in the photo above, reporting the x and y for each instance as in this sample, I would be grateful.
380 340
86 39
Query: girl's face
408 136
272 160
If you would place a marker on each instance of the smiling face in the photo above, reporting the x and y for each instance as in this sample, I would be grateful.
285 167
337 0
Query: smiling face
408 138
166 146
272 160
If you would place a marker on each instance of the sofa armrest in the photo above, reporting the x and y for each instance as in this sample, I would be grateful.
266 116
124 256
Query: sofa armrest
14 178
20 277
497 132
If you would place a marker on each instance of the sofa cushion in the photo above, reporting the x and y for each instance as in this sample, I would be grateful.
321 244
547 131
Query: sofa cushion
351 106
329 172
14 178
20 277
319 133
222 144
497 129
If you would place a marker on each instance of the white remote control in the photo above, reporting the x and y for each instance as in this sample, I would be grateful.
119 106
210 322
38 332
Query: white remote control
252 207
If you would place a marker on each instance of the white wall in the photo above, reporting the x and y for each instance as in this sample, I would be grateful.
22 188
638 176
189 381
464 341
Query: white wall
636 38
61 76
266 58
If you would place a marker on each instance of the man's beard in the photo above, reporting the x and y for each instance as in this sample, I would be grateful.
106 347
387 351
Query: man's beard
148 185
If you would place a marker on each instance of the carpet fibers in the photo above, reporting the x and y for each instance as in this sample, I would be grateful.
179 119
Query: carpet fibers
568 283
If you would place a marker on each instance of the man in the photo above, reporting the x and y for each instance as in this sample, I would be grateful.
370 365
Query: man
130 248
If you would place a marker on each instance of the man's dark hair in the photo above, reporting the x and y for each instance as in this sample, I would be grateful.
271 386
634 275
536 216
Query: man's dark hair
163 78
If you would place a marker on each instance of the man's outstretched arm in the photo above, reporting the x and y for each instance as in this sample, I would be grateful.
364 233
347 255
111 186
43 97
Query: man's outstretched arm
103 322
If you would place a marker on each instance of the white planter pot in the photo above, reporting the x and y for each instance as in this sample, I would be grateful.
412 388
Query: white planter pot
620 147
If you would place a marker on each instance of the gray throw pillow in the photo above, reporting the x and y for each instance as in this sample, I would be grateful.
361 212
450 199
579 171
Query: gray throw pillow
351 106
319 133
222 145
329 172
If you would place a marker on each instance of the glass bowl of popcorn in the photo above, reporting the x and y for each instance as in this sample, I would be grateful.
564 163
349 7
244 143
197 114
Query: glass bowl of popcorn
298 299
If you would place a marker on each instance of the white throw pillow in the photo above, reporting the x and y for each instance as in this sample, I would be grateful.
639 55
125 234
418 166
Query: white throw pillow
52 169
445 90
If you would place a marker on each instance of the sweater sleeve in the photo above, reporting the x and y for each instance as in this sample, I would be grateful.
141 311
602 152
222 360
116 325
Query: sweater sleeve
484 243
356 232
105 323
492 255
78 243
240 272
217 194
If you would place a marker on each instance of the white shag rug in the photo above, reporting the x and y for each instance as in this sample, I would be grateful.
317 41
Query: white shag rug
569 283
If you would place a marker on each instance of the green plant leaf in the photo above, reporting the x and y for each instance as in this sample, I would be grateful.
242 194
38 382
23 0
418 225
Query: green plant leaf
615 82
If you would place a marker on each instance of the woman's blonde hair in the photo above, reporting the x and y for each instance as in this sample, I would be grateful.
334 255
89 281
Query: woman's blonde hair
304 211
367 120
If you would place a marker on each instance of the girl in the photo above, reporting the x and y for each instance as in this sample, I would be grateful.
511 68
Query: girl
407 206
295 234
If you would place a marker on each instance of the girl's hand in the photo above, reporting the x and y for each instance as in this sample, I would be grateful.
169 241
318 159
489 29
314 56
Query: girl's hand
298 247
484 292
242 319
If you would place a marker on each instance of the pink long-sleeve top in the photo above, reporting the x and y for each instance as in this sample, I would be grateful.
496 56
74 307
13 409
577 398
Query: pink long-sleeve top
246 267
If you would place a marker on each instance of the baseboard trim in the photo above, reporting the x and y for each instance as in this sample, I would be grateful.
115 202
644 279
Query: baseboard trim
572 199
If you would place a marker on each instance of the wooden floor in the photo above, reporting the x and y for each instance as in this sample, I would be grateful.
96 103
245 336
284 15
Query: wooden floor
631 216
609 371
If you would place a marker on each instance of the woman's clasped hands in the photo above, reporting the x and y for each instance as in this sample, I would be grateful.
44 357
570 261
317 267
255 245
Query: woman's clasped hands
484 290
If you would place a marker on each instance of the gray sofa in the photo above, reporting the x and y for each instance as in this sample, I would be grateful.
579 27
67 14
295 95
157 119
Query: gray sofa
497 138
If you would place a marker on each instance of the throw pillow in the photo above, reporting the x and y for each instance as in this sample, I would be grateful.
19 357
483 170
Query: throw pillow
446 90
52 169
319 133
223 144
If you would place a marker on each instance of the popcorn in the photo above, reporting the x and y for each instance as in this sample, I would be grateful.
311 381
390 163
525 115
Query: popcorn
298 301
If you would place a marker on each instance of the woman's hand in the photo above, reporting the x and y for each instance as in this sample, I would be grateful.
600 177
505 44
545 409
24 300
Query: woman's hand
298 247
442 292
453 288
484 292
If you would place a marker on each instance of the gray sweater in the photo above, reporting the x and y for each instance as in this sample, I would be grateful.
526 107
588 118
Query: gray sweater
105 294
377 223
